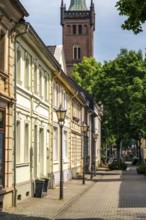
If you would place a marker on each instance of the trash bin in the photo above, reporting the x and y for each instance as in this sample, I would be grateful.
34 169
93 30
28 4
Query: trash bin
46 183
39 187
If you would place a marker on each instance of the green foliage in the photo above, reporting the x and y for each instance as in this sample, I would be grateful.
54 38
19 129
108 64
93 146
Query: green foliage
117 165
135 11
85 73
121 86
141 168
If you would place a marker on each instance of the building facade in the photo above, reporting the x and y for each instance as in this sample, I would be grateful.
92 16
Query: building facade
78 25
33 84
10 14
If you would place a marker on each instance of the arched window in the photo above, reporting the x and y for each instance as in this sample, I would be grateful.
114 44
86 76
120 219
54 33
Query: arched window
76 52
80 29
74 29
86 29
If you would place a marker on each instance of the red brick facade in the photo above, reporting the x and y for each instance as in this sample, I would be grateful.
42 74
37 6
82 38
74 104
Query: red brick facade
78 28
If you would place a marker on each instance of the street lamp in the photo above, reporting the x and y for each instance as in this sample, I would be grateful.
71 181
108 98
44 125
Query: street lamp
84 130
93 161
61 113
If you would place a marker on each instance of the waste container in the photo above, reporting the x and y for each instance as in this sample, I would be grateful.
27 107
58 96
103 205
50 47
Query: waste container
46 183
39 187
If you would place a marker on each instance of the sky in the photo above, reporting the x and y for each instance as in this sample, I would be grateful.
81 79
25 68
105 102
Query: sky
109 38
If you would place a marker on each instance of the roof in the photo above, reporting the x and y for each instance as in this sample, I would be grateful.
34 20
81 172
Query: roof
78 5
51 49
18 4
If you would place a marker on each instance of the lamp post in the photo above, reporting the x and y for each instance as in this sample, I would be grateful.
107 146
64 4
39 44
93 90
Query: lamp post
93 162
61 113
84 130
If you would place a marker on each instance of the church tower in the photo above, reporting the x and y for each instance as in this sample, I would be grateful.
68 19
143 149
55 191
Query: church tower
78 25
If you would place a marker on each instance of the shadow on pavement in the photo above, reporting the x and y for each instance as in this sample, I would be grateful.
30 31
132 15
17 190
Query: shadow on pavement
81 219
132 192
6 216
109 180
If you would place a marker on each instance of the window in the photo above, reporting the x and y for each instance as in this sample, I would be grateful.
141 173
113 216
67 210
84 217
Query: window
18 71
41 149
86 29
74 29
64 99
2 50
65 150
26 143
35 150
56 93
35 80
76 52
40 83
46 87
18 142
2 138
55 144
80 29
27 72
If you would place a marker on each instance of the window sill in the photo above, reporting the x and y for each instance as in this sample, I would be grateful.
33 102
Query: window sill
22 165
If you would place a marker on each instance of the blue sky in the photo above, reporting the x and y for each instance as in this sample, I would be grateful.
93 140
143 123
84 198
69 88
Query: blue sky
109 38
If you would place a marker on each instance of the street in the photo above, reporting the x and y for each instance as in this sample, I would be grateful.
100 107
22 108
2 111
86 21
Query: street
111 195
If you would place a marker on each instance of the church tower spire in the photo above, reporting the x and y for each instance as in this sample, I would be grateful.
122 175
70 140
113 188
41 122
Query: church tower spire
78 5
78 25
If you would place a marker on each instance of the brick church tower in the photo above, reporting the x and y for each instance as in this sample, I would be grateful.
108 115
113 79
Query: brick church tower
78 25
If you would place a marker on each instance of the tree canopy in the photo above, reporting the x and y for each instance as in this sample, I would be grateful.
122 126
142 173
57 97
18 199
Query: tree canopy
135 11
121 86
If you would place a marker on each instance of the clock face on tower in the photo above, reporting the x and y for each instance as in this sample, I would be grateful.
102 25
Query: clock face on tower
78 25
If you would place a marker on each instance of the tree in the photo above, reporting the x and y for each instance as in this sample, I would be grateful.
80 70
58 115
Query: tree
121 86
135 10
85 73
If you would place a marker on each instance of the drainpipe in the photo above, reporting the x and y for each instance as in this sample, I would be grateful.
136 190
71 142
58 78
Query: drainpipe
15 93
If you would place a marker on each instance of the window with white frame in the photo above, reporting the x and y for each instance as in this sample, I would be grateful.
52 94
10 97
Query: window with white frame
65 148
40 82
18 138
45 86
55 144
35 150
2 50
35 79
18 65
26 143
76 52
63 99
41 149
26 71
56 94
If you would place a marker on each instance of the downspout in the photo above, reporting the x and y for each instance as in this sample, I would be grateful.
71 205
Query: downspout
15 123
